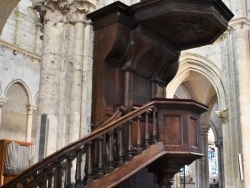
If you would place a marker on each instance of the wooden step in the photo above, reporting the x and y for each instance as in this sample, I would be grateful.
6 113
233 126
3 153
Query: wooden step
129 168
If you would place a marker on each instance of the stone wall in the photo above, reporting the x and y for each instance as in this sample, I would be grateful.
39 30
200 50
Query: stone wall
22 28
20 46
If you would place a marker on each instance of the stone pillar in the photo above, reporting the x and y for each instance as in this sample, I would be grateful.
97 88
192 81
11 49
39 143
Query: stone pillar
50 81
87 80
30 110
202 167
240 24
77 74
219 145
2 103
230 124
243 57
62 69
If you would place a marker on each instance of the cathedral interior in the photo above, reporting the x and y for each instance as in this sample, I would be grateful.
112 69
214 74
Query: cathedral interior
46 68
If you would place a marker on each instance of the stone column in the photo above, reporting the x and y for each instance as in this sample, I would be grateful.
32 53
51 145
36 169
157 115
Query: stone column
50 81
2 103
62 69
87 80
77 80
202 168
30 110
230 124
219 145
240 23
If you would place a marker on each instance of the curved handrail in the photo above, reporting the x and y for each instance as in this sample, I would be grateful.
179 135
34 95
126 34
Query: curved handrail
59 155
77 144
117 114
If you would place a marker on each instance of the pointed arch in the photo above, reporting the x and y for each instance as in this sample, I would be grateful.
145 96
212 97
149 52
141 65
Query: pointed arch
6 7
36 98
24 85
192 62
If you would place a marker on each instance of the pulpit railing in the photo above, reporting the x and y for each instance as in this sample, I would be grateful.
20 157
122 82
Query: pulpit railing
95 155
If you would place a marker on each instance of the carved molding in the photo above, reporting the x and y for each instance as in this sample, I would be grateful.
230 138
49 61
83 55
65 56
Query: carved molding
219 143
31 108
227 33
72 11
223 115
204 131
15 48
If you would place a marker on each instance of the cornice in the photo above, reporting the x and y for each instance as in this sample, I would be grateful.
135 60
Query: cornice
19 49
233 25
239 22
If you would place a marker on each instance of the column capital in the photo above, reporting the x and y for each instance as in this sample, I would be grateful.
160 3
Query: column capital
219 143
204 131
2 102
72 11
223 115
31 108
227 33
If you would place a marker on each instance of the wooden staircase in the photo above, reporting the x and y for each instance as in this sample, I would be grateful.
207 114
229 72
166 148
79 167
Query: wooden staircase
136 52
115 151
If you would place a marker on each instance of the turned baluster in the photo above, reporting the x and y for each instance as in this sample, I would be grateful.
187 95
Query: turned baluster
50 174
40 183
24 182
31 184
154 126
130 146
95 157
146 130
104 154
45 177
111 153
57 176
139 148
120 146
100 157
67 183
89 167
78 180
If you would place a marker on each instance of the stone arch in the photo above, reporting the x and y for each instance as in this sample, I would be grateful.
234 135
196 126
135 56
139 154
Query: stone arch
215 131
36 98
14 113
24 85
6 7
192 62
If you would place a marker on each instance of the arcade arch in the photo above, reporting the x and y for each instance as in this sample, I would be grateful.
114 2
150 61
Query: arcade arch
199 79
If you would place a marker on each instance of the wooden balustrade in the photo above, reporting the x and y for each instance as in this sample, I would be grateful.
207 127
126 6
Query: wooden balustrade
105 149
106 144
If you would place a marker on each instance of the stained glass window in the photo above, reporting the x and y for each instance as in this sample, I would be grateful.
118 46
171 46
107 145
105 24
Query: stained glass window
184 171
213 160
